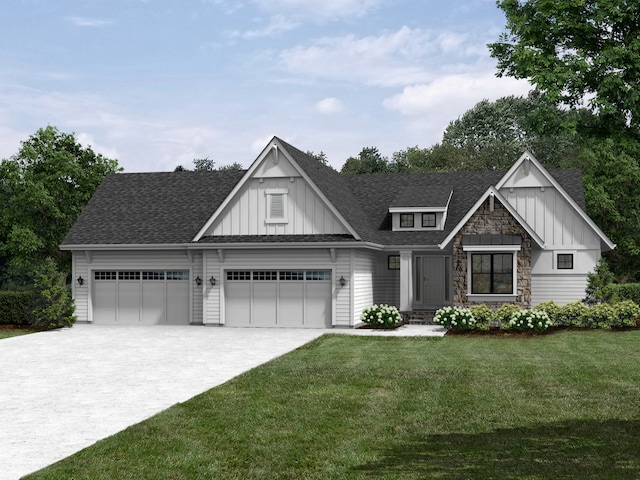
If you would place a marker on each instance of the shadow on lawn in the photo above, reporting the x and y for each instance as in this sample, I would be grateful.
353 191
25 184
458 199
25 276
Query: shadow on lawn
585 449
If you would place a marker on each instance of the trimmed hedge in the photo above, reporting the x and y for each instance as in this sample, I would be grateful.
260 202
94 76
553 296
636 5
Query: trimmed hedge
16 307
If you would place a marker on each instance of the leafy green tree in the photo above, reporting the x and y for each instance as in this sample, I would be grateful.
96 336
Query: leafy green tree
231 167
321 157
43 189
370 160
570 49
205 164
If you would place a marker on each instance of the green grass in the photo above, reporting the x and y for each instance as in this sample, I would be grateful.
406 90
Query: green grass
556 406
14 332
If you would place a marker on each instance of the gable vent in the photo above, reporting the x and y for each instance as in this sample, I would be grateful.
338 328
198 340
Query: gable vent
277 206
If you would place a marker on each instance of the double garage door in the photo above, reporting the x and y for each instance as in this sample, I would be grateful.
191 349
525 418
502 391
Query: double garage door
278 298
141 297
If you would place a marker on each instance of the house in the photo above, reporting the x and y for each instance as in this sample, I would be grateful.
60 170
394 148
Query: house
292 243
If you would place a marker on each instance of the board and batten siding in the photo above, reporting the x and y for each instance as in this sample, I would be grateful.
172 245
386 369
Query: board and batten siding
85 263
216 263
306 213
386 284
551 216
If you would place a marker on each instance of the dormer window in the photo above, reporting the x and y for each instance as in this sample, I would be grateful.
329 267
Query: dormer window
406 220
429 220
420 208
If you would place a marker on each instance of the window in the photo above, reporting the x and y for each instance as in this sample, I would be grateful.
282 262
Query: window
565 261
406 220
179 275
393 262
99 275
265 275
492 273
429 220
318 275
276 205
128 275
238 275
296 275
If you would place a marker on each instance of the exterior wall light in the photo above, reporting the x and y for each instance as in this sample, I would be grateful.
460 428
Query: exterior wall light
343 282
212 281
198 281
80 280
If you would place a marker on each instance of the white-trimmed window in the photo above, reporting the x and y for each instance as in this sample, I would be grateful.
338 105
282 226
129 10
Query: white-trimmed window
406 220
276 205
429 220
492 273
564 261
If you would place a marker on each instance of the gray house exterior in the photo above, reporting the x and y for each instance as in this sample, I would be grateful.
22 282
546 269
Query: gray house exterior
292 243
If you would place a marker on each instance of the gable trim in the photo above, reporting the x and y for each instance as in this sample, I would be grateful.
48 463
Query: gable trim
528 157
276 145
491 194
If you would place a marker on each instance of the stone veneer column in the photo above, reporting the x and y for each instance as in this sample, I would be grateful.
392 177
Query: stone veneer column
499 221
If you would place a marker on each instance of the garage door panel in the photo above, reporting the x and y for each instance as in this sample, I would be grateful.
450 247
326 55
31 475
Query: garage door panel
238 305
128 303
318 305
291 304
283 298
265 300
177 302
153 303
104 299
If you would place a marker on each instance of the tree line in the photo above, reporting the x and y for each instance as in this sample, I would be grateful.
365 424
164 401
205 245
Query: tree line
582 57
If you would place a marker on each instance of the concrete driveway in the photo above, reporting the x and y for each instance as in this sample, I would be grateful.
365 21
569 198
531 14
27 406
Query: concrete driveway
61 391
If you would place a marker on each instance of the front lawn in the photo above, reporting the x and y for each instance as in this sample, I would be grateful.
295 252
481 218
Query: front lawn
565 405
11 331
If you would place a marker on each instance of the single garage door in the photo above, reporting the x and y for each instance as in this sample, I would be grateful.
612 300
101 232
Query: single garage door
141 297
278 298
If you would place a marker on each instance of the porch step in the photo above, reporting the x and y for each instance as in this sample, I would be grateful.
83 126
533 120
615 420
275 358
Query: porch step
421 317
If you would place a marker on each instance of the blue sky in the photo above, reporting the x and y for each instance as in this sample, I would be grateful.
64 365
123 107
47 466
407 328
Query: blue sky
157 83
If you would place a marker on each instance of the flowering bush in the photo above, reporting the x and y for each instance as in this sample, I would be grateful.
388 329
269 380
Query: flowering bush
455 317
504 313
530 320
572 315
482 314
552 309
598 316
626 314
381 315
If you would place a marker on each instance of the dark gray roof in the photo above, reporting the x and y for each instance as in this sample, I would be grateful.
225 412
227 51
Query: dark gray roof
434 196
170 208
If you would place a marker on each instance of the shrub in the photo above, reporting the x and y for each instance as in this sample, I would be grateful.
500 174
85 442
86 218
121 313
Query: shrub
551 308
623 291
482 314
54 306
381 315
572 315
16 307
625 314
530 320
505 312
455 317
599 316
598 282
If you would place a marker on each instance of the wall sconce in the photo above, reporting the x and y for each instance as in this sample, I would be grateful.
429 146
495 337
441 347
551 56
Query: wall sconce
198 281
80 280
343 282
212 281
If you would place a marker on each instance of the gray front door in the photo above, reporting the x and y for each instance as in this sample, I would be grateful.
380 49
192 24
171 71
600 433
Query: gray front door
432 288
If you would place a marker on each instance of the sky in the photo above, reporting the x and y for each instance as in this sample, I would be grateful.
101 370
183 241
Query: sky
158 83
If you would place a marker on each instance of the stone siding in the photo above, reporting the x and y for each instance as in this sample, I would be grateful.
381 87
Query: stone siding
499 221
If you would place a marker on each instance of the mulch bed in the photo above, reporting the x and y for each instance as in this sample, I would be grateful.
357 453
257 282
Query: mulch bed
379 327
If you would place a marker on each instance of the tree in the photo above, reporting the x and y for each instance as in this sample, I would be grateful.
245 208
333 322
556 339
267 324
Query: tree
571 49
321 157
43 189
370 160
235 166
205 164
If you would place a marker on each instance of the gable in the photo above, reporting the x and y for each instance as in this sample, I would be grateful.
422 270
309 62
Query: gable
275 198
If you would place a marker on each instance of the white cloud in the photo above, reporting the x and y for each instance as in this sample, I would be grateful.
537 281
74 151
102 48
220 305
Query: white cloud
329 106
320 10
454 93
89 22
391 59
277 24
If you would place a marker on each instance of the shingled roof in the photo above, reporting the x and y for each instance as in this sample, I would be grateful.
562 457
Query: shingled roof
170 208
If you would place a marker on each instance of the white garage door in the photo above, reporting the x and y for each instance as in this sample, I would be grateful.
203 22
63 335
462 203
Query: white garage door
278 298
141 297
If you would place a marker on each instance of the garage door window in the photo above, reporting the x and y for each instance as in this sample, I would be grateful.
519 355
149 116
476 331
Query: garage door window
318 275
128 275
297 275
239 275
104 275
265 275
153 275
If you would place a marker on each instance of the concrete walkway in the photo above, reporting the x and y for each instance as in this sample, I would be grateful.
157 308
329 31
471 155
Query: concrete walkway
62 391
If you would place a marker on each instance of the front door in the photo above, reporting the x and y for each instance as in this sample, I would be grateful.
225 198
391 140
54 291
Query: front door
432 281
